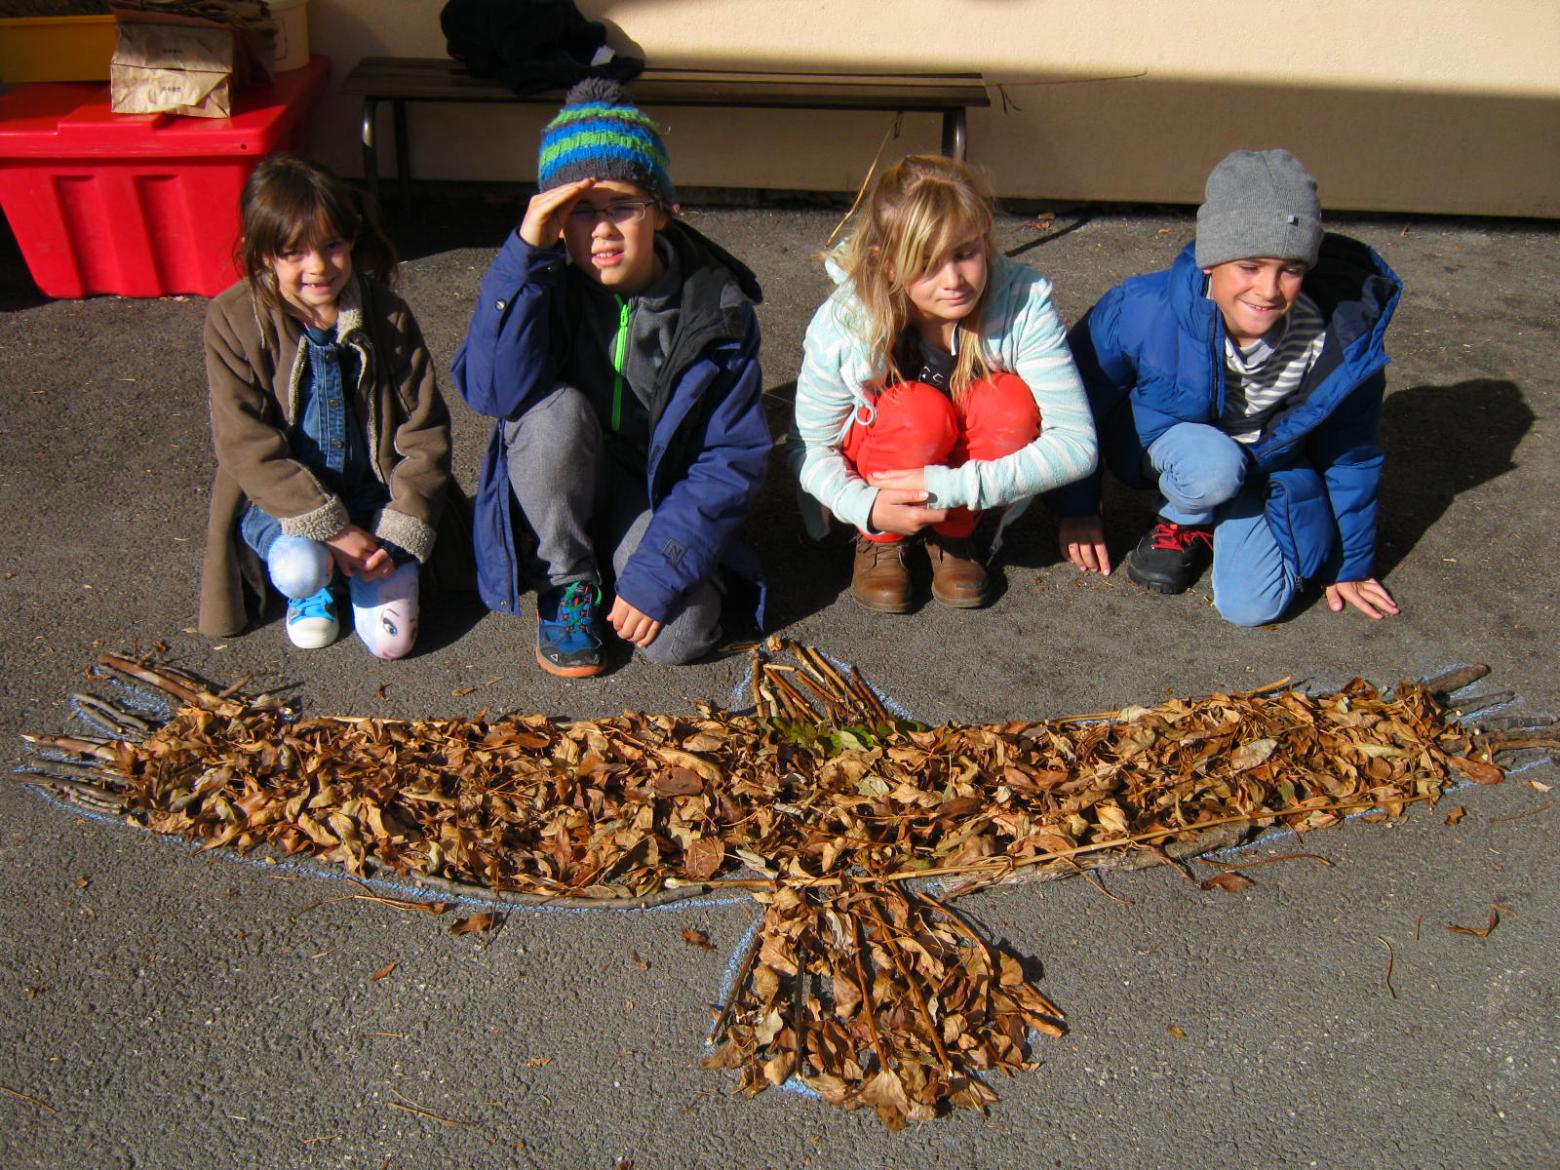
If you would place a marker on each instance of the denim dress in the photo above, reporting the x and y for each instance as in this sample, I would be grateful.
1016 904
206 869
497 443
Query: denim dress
329 440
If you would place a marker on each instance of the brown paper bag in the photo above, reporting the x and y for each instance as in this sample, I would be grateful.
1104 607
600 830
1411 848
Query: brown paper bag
250 23
174 69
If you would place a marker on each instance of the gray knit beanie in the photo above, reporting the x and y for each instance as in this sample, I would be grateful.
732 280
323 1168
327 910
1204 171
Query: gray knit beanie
1259 204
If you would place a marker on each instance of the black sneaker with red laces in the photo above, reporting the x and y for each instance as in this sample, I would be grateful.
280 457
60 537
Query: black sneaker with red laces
1170 556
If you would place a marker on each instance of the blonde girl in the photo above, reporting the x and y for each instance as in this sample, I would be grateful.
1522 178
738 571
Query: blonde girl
936 384
331 438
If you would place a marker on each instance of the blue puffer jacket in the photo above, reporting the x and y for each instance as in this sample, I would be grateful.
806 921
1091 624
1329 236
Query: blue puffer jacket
1151 353
709 440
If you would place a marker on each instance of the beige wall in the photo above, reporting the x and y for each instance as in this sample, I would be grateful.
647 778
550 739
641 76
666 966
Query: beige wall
1430 106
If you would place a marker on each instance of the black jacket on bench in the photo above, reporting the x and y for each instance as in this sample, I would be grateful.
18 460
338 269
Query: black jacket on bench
529 45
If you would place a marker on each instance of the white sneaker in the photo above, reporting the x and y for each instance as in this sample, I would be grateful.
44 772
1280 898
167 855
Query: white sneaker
312 622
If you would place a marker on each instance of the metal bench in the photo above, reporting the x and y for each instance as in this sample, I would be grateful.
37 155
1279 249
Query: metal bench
401 80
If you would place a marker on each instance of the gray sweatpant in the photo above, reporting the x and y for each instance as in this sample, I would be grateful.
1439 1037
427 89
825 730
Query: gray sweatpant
572 494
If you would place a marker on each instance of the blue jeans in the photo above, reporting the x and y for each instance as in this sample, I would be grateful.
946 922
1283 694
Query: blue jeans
328 439
1202 476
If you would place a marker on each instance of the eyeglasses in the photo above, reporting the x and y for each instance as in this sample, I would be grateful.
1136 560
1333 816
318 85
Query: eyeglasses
618 213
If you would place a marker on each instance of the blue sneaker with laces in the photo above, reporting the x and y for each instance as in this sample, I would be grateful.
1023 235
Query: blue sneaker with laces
312 622
567 640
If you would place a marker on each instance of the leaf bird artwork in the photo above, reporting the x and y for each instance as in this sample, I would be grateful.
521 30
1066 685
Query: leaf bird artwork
854 830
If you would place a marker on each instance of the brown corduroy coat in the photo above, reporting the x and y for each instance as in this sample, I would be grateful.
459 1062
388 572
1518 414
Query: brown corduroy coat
255 367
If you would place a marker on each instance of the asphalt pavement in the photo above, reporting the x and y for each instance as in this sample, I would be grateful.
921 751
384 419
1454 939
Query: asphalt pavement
161 1007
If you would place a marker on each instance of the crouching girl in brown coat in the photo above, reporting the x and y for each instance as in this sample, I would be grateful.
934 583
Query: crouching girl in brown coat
332 439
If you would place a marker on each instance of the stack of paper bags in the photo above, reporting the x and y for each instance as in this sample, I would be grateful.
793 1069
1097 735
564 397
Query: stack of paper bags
188 56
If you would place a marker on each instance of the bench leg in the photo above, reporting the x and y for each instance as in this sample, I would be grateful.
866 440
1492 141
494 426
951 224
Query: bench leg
370 149
953 134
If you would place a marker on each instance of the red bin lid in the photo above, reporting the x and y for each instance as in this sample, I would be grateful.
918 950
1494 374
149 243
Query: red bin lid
73 120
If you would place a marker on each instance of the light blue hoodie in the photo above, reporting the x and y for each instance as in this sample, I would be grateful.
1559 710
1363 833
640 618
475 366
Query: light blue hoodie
1022 334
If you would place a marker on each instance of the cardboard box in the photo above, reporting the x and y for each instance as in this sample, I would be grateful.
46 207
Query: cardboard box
141 205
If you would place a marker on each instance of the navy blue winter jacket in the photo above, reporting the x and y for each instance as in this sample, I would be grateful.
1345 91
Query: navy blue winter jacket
709 440
1151 353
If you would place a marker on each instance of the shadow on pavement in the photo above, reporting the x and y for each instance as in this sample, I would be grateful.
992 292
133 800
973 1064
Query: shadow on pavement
1442 441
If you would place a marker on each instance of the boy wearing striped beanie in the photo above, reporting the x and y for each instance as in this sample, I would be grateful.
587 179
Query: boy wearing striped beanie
1245 383
617 350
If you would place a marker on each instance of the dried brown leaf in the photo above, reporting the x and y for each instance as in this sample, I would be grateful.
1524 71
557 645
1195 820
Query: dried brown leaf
697 938
474 923
1230 883
1477 770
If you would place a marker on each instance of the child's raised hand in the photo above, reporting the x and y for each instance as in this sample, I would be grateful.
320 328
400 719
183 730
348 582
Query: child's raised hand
358 554
545 214
1369 596
1082 541
633 625
900 506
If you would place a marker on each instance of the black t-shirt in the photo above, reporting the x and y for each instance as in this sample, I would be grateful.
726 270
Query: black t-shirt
921 361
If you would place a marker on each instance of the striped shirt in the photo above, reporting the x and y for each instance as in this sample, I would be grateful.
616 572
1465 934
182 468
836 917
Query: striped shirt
1262 379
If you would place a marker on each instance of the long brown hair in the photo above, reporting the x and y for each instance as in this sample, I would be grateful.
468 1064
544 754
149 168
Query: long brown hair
291 201
921 207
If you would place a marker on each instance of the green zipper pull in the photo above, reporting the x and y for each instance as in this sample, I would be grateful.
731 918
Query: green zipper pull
619 352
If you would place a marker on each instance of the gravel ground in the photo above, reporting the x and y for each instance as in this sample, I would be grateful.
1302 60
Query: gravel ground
167 1008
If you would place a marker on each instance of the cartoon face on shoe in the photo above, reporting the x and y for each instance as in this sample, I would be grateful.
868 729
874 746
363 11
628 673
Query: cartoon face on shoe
392 629
1254 295
610 235
311 276
948 290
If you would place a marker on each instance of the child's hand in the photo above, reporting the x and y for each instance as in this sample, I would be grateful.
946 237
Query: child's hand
358 554
1369 596
632 625
900 506
542 226
1082 541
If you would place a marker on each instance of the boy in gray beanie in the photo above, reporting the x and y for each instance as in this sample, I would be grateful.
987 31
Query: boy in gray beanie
1244 383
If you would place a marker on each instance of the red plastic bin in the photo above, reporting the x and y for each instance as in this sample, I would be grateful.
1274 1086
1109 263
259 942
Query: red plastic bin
143 205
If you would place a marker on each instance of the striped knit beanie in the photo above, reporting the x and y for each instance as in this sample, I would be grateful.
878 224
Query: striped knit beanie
599 135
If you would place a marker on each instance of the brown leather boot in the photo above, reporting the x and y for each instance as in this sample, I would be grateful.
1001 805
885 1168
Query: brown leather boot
880 579
958 579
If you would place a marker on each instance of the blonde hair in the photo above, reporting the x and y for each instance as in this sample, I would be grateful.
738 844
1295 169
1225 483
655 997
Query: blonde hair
921 207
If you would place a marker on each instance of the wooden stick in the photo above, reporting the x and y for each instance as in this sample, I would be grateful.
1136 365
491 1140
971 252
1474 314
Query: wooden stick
819 665
425 1113
868 1008
1008 863
749 954
1264 861
872 704
920 1000
167 681
800 708
1089 877
1390 958
28 1097
755 673
70 743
